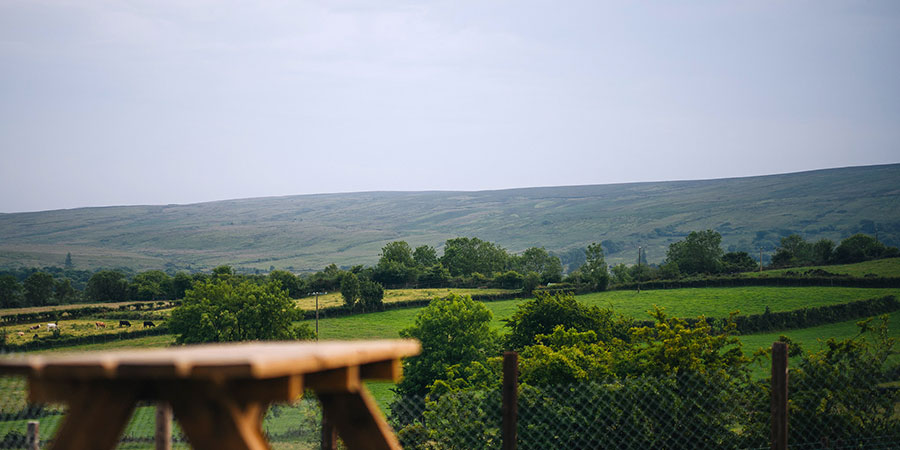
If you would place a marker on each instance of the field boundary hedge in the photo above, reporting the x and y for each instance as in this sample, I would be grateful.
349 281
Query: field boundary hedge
69 341
801 318
874 282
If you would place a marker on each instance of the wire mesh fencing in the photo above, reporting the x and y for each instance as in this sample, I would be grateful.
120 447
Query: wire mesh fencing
830 407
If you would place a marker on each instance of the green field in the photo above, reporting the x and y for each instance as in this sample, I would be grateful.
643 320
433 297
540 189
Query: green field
889 267
397 295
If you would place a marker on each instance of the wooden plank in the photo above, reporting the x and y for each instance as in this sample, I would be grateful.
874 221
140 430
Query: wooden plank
358 420
382 370
214 422
282 389
95 418
345 379
243 360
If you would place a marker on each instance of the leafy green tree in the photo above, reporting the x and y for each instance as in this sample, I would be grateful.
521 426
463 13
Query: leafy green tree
68 264
393 273
371 295
181 282
350 289
509 280
150 285
221 310
434 276
699 252
63 291
107 286
860 247
39 289
530 282
547 311
453 330
734 262
399 252
289 282
10 291
222 273
669 271
537 259
465 256
425 256
594 270
619 274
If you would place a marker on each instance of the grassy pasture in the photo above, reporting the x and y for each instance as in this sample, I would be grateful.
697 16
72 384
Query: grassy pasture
396 295
889 267
75 327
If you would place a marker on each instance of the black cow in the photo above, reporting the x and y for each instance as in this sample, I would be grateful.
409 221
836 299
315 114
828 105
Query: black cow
148 323
124 323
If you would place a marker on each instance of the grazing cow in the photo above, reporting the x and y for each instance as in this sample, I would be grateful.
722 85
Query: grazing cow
52 326
35 327
124 323
148 323
35 336
21 333
100 324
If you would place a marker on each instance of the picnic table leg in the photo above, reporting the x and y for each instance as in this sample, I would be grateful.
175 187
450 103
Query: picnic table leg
358 420
218 421
95 419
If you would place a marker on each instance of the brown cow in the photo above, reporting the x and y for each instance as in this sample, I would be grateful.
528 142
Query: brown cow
21 333
35 327
100 324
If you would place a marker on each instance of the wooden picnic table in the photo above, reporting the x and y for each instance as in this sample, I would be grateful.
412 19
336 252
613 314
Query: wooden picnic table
219 392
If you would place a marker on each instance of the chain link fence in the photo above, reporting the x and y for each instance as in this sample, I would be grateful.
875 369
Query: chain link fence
852 407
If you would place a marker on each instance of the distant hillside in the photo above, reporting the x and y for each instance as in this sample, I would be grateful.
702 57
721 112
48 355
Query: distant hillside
307 232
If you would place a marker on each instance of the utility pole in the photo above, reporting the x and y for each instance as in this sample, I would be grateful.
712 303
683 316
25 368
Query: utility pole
317 294
639 270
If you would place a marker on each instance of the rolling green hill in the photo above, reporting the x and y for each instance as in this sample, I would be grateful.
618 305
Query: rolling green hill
310 231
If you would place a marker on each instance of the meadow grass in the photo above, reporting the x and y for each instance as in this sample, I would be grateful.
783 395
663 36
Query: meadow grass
34 309
67 328
888 267
396 295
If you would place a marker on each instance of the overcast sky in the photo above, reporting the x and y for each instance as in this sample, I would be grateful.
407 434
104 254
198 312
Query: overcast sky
124 102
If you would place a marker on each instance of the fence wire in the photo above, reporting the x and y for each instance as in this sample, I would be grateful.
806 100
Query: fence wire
830 408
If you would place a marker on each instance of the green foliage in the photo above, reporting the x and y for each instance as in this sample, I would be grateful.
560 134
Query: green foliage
545 312
699 252
39 289
107 286
537 259
530 282
350 289
150 285
453 330
861 247
837 394
220 311
425 256
181 282
63 291
795 251
398 252
10 291
619 274
371 295
465 256
509 280
736 262
289 282
594 270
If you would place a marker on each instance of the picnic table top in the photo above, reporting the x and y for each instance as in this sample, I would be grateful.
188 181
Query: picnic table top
254 360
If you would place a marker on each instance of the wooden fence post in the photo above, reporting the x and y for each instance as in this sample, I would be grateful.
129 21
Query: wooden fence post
779 396
33 438
329 434
510 407
163 426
